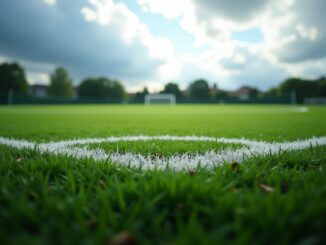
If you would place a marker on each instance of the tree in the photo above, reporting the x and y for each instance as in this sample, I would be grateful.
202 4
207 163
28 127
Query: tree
253 92
172 88
199 89
322 87
61 83
141 95
12 77
272 92
101 88
302 88
222 94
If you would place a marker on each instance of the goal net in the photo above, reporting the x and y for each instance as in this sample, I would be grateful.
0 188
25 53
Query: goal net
160 99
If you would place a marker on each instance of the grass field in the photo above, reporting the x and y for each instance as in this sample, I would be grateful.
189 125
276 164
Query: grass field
58 199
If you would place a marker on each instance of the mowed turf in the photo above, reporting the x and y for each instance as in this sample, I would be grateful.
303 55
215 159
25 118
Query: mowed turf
55 199
263 122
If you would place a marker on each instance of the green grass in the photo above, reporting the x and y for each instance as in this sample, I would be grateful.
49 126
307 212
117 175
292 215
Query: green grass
47 199
164 148
256 122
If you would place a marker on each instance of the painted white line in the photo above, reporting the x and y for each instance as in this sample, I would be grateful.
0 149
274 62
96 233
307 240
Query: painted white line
303 109
176 162
114 139
17 143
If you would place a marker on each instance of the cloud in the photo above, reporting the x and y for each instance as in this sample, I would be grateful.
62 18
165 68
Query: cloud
302 35
293 34
210 20
170 9
242 66
84 36
110 38
50 2
235 11
37 78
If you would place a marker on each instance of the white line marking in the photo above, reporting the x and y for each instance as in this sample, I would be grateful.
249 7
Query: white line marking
302 109
176 162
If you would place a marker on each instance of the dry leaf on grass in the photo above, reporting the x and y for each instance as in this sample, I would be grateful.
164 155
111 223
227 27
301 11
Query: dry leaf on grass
284 187
19 160
101 184
266 188
192 173
123 238
234 166
158 155
180 206
92 224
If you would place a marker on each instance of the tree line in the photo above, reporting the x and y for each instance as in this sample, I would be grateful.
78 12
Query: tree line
12 77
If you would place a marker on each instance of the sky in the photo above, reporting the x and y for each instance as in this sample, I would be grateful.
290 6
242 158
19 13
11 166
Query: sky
149 43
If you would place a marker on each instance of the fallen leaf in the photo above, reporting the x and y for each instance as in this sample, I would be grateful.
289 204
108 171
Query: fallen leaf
180 206
123 238
266 188
19 160
101 184
192 173
158 155
234 166
91 224
284 187
51 188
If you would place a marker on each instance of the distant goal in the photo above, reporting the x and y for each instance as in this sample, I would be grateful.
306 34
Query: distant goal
151 99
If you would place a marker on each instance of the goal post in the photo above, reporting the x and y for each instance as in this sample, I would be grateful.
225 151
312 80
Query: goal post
151 99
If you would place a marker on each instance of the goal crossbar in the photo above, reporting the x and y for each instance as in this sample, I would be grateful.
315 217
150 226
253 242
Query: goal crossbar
160 99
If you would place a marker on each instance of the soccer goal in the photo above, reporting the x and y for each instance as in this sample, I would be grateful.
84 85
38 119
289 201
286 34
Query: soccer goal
160 99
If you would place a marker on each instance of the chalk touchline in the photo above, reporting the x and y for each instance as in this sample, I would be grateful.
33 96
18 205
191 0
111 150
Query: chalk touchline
209 159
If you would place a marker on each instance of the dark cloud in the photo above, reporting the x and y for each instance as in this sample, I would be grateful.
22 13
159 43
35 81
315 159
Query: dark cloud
260 73
306 17
309 15
236 11
231 64
302 50
43 36
255 71
37 32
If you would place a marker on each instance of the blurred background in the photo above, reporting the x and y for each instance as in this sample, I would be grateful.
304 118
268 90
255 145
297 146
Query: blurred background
105 51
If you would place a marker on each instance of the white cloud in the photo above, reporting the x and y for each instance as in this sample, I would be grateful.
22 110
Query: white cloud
36 73
37 78
209 21
108 13
89 38
3 59
153 86
307 33
170 9
131 29
293 32
50 2
105 37
89 14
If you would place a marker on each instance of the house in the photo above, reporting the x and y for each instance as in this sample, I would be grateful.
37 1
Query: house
38 90
242 93
214 90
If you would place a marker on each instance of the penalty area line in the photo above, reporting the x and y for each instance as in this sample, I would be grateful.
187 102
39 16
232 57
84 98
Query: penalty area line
178 162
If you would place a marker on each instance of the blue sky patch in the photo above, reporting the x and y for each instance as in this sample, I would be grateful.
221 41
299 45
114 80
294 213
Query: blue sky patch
253 35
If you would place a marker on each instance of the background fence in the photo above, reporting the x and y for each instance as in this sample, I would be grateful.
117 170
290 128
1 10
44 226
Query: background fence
14 98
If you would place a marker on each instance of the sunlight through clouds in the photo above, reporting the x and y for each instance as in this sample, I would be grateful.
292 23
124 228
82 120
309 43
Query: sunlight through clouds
156 41
282 23
50 2
107 11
